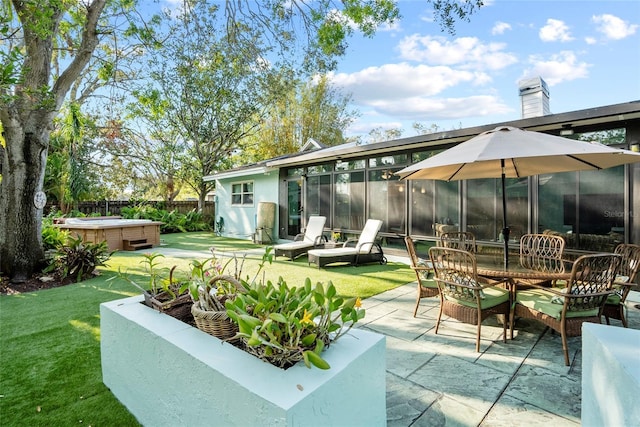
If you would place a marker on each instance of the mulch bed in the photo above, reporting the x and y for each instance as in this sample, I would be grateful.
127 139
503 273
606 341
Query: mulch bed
36 282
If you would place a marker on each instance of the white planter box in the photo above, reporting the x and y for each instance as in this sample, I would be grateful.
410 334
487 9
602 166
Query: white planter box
610 376
169 373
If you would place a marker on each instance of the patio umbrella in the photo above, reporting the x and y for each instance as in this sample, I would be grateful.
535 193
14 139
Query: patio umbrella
509 152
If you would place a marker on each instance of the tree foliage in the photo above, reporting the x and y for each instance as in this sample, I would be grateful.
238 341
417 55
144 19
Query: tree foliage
49 50
308 110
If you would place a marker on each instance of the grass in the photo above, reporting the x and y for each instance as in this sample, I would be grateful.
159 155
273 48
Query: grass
50 372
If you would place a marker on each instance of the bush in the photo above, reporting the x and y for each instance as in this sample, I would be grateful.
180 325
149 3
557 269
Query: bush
174 222
52 237
79 259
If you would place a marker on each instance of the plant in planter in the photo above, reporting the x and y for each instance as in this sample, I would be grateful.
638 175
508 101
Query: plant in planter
211 288
163 292
283 325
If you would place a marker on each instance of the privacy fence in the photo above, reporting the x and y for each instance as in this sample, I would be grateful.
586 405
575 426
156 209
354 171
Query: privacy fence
112 207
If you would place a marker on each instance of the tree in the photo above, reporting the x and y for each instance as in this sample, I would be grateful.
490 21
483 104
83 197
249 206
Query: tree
30 101
307 110
379 134
203 97
32 94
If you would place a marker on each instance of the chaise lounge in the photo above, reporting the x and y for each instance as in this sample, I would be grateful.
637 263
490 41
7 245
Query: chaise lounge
365 250
311 238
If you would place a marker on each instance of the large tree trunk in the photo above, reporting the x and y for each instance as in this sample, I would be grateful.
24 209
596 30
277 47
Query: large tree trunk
27 120
21 222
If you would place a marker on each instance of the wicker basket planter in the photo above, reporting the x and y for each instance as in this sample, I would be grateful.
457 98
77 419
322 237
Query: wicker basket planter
179 308
209 312
215 323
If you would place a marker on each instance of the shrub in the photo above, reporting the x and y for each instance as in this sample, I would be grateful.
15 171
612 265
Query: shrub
173 221
79 259
52 237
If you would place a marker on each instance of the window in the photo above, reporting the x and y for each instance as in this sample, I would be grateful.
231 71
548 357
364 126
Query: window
349 201
242 193
319 196
432 203
387 200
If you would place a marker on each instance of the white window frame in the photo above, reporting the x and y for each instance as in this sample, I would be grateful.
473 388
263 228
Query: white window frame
246 196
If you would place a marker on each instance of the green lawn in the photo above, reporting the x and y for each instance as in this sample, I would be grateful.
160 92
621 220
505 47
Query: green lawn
50 372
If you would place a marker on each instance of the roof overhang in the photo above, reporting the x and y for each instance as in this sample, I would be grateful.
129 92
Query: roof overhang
239 173
579 121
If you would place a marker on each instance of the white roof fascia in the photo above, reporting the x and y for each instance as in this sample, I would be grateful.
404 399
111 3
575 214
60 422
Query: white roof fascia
238 173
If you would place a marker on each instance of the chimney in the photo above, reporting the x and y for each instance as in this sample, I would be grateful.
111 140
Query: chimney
534 97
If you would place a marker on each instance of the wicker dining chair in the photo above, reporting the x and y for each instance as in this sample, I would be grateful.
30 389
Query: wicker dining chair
464 295
581 301
463 240
541 252
627 274
427 287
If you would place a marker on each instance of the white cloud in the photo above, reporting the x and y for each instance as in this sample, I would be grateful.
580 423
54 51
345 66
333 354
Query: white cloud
407 92
422 108
399 81
613 27
561 67
555 30
500 28
590 40
467 52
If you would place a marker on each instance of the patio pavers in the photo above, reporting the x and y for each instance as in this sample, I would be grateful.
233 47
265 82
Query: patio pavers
435 380
440 380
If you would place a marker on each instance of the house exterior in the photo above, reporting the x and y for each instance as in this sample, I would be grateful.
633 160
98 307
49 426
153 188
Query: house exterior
592 210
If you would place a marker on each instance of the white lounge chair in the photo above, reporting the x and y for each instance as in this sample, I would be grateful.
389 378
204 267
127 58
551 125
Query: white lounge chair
365 250
311 238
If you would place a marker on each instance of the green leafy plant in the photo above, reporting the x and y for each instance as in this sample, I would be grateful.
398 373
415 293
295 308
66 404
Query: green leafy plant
173 222
78 258
160 279
52 237
211 285
282 324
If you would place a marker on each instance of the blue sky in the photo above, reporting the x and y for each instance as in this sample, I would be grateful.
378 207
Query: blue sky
588 52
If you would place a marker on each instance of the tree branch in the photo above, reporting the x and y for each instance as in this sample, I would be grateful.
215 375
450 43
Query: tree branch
85 52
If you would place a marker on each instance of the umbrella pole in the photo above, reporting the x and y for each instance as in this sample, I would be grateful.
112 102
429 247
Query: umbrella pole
505 230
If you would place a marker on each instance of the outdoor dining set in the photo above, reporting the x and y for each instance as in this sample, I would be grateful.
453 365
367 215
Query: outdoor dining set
541 285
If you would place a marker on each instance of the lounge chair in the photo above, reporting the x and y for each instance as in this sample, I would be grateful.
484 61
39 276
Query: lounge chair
365 250
311 238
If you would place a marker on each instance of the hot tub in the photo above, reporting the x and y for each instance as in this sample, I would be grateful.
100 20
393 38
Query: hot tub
127 234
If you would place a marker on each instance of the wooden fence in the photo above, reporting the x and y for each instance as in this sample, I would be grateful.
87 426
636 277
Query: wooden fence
112 207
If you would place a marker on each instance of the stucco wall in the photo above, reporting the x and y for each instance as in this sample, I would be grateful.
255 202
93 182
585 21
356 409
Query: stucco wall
240 221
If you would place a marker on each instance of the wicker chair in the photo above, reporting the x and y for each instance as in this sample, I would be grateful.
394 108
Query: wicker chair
541 252
463 240
626 279
427 287
464 295
581 301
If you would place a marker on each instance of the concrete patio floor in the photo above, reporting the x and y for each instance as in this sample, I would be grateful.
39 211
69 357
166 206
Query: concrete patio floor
440 380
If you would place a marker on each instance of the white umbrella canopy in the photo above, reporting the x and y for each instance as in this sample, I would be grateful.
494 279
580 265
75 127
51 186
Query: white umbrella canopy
509 152
524 153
